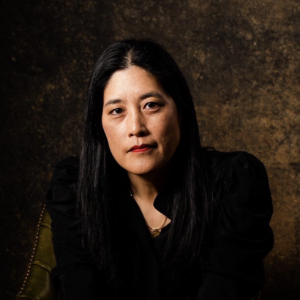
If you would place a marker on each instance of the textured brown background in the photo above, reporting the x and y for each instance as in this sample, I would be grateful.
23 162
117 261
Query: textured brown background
241 60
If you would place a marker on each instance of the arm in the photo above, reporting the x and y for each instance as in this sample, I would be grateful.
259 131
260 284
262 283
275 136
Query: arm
242 235
75 267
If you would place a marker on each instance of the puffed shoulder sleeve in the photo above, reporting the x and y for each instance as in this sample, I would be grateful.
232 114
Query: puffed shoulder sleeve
74 264
242 236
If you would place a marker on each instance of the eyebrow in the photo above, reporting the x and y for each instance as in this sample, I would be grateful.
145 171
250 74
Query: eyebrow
151 94
145 96
110 102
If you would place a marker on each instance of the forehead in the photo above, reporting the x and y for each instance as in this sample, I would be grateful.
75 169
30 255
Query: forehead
131 82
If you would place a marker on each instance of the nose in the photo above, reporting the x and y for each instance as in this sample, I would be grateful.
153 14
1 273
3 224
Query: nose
136 124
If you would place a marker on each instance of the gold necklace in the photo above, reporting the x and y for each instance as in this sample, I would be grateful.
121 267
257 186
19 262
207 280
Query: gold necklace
156 231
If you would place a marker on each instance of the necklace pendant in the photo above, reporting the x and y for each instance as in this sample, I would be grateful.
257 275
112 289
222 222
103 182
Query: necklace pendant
155 233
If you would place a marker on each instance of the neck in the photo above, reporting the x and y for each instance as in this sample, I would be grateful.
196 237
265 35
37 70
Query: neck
146 187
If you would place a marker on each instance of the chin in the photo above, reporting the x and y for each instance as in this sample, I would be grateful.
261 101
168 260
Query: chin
142 169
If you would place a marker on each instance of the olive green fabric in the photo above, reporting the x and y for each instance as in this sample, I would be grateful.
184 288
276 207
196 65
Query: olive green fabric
40 284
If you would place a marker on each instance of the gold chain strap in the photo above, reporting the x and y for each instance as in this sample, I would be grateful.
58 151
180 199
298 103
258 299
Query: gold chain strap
33 251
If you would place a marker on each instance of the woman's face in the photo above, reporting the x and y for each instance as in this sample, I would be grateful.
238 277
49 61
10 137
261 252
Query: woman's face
140 121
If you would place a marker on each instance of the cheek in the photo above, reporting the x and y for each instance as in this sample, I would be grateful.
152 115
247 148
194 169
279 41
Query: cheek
112 136
168 132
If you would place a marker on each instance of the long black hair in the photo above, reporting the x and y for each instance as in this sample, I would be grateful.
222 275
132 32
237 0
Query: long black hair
102 182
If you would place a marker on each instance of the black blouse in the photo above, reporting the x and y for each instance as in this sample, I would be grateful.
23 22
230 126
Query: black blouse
234 263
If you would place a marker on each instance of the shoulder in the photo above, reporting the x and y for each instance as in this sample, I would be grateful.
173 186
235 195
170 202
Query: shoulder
63 185
226 160
66 170
234 163
68 163
240 175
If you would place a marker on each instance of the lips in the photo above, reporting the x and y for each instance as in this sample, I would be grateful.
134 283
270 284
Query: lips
140 148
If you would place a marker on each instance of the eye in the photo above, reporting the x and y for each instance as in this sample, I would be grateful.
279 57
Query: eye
152 105
116 111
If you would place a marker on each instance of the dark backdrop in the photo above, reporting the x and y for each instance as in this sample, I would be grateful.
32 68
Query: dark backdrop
241 60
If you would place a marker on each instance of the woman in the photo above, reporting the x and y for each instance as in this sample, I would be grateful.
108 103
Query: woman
146 212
